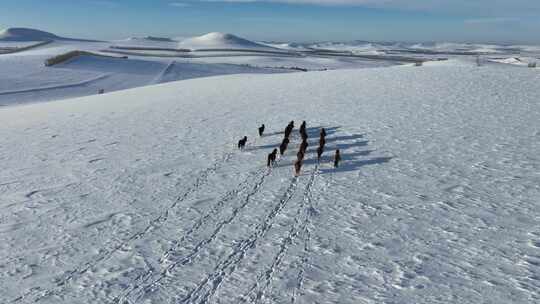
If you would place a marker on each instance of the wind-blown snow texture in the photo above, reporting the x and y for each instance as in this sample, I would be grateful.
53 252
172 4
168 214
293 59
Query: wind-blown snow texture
140 195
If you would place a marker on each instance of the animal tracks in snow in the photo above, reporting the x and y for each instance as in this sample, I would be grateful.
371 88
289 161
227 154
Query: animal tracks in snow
105 253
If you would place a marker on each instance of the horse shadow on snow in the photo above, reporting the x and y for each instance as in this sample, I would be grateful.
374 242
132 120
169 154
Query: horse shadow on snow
352 159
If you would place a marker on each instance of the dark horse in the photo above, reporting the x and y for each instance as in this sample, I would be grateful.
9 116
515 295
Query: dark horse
289 129
242 143
337 158
271 158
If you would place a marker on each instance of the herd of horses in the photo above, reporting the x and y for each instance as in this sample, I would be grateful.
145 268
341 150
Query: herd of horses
271 159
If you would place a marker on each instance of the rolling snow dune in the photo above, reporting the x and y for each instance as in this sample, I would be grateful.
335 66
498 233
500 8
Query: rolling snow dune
141 196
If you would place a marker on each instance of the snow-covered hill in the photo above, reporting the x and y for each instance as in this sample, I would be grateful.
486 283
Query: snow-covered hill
26 34
222 41
25 79
140 195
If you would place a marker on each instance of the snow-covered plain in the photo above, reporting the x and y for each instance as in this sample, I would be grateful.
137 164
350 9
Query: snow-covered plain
25 79
139 196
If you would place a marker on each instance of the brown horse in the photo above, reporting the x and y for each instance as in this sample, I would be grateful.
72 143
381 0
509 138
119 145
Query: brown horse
283 146
304 135
297 167
303 146
288 129
320 151
322 141
303 127
300 155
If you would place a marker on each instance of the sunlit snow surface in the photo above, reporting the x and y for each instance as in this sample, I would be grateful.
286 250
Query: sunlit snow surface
141 196
25 79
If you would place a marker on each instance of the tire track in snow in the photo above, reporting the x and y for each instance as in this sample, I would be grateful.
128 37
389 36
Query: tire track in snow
265 279
206 289
61 284
230 195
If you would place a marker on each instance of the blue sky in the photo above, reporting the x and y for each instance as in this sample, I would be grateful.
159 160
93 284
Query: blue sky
511 21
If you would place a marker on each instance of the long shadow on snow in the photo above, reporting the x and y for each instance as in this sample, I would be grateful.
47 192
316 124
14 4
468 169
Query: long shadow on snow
347 166
345 138
350 160
312 149
329 158
312 131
